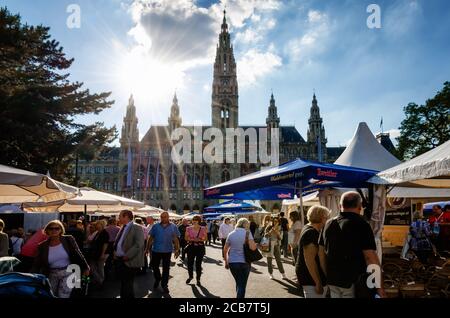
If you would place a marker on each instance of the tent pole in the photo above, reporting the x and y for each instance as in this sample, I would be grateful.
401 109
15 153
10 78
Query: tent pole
301 205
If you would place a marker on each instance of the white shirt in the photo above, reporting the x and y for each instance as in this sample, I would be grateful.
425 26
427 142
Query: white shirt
119 251
58 257
291 234
224 230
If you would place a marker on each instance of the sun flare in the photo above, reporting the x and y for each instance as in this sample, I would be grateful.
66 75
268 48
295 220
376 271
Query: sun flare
147 78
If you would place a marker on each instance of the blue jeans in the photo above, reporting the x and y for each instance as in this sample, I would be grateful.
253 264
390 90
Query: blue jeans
240 272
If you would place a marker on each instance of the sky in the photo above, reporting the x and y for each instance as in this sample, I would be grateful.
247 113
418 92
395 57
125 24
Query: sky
152 48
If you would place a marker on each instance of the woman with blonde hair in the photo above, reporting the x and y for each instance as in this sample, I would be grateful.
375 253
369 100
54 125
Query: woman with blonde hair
55 255
309 272
234 254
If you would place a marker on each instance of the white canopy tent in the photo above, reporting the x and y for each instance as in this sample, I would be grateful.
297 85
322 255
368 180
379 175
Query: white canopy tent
89 201
18 186
429 170
364 151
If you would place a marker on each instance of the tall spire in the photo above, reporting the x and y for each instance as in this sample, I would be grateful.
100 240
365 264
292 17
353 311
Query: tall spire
272 120
316 133
175 118
225 86
175 99
224 23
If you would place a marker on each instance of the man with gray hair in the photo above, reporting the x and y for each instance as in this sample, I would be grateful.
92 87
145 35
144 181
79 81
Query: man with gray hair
346 247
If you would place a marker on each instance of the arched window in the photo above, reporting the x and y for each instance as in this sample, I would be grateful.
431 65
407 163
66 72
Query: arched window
186 208
206 180
196 184
225 175
173 180
196 208
173 207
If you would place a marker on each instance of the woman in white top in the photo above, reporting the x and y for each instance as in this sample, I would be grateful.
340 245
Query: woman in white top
234 255
55 255
294 233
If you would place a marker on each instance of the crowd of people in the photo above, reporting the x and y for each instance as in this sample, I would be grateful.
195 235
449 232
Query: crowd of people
329 255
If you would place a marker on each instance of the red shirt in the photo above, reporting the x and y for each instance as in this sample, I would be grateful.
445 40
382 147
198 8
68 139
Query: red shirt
444 217
30 248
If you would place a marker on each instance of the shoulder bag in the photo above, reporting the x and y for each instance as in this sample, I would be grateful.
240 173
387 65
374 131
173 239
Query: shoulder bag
250 255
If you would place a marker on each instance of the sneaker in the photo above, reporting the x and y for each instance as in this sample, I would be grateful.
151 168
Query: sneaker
199 283
189 280
271 276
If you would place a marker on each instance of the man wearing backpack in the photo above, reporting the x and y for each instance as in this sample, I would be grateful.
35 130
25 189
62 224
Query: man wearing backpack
346 247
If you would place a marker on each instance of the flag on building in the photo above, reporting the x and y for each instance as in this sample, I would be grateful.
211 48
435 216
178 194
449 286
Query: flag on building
129 168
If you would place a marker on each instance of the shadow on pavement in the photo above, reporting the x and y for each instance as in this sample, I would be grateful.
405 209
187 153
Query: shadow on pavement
207 259
205 292
291 288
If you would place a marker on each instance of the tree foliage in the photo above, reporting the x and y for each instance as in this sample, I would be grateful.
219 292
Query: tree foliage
425 126
39 105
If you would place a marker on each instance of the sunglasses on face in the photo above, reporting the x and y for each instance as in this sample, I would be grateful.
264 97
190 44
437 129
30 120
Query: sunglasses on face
54 229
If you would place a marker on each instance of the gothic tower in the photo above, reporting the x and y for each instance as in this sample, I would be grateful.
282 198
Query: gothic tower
129 146
272 120
225 85
175 118
317 142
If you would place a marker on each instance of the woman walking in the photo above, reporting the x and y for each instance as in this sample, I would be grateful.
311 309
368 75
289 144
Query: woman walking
55 255
98 254
234 254
274 234
195 236
294 233
309 272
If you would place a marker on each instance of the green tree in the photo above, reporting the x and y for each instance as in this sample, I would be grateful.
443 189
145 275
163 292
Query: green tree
39 105
425 126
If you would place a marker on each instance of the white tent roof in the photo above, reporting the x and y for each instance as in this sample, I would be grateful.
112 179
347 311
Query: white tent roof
431 169
18 186
364 151
88 199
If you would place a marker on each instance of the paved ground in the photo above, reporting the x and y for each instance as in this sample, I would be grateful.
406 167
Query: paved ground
217 282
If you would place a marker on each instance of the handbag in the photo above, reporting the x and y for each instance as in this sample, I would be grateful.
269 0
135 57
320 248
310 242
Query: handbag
249 254
264 245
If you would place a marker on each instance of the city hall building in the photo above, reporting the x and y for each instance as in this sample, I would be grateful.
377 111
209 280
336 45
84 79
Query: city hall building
144 169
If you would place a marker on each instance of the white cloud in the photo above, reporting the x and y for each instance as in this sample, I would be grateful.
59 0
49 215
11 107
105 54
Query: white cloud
303 48
255 64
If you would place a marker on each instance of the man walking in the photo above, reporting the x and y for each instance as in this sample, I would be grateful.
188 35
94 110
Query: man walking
284 239
346 247
164 239
225 229
128 252
182 229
